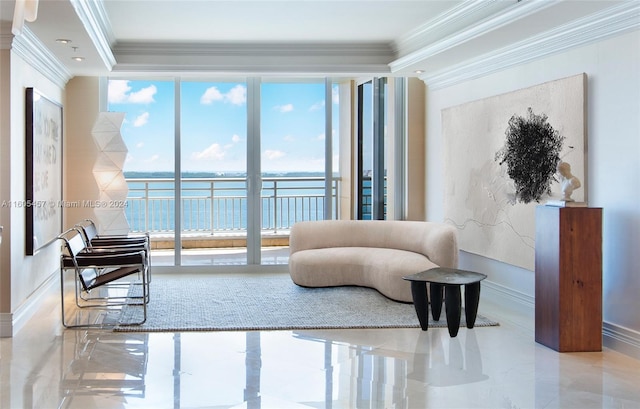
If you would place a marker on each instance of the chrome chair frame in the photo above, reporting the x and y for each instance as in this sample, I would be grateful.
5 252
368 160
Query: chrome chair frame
102 270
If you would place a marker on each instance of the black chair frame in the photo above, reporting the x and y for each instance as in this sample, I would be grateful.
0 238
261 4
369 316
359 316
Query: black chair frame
105 243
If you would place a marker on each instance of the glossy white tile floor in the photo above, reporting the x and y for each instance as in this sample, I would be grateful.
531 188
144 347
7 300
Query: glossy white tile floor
44 366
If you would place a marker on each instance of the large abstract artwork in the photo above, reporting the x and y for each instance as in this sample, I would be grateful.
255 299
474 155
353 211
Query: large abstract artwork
43 147
490 196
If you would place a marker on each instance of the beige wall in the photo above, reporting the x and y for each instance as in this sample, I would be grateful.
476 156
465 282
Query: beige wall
416 169
20 275
5 216
347 130
80 151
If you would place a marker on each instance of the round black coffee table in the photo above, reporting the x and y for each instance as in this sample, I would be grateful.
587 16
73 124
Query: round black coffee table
447 280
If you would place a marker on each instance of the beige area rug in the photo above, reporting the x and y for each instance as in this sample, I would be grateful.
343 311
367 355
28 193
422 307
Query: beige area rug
268 302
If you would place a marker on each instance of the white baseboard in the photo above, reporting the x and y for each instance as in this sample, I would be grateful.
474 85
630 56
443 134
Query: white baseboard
514 300
11 323
621 339
615 337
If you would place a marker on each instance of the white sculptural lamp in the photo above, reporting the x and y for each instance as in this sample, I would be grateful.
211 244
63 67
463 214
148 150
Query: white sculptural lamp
107 171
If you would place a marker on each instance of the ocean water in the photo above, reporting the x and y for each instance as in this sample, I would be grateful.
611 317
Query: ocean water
219 202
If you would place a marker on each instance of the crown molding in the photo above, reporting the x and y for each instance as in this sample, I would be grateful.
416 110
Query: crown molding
245 69
381 51
301 58
596 27
94 18
505 17
419 37
36 54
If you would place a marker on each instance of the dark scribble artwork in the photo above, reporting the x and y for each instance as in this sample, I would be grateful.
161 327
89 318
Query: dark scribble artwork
531 153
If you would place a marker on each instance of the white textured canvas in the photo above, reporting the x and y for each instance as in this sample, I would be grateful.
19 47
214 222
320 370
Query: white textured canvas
478 197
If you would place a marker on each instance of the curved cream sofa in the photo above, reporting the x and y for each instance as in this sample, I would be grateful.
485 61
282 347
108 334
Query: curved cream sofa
369 253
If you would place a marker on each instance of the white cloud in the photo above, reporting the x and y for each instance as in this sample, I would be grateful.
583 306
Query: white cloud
120 92
236 95
153 158
320 137
210 95
273 154
335 94
284 108
235 138
317 106
141 120
289 138
144 96
140 145
213 152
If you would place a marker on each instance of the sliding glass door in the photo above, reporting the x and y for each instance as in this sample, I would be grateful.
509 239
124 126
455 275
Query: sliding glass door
213 163
250 158
293 160
149 134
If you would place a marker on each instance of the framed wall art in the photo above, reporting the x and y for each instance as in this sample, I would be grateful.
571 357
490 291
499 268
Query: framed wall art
43 170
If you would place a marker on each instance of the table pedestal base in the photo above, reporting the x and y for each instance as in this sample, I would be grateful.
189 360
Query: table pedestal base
452 297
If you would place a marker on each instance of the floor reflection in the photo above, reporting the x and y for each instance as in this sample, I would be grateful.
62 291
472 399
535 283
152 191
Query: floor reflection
253 365
46 366
447 365
368 376
104 364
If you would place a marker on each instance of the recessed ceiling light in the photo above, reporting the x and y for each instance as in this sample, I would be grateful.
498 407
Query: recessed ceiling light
63 41
419 71
77 58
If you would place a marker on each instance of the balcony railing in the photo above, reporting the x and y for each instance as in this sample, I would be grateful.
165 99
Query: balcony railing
219 205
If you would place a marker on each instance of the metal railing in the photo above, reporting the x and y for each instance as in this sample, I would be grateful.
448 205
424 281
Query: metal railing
217 205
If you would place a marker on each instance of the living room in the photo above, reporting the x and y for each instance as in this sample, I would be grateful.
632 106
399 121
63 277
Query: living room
604 45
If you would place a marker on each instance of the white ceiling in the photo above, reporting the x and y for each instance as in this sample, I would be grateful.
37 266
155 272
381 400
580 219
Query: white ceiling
269 21
301 37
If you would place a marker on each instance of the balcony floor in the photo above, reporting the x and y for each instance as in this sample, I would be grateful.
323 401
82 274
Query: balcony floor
219 256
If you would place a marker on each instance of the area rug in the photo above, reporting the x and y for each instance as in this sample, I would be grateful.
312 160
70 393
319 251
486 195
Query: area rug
269 302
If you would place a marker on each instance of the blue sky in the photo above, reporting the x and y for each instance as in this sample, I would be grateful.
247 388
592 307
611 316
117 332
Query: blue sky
214 125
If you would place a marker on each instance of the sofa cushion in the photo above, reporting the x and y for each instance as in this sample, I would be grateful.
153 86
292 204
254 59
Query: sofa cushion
379 268
436 241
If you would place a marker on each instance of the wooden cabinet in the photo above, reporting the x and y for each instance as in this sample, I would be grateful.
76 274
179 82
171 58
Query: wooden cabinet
568 278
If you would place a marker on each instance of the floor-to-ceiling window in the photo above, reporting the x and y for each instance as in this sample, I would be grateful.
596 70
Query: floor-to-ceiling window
293 159
149 133
213 163
253 157
371 150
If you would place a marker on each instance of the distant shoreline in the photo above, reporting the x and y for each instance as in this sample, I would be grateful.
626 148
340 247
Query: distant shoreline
158 175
